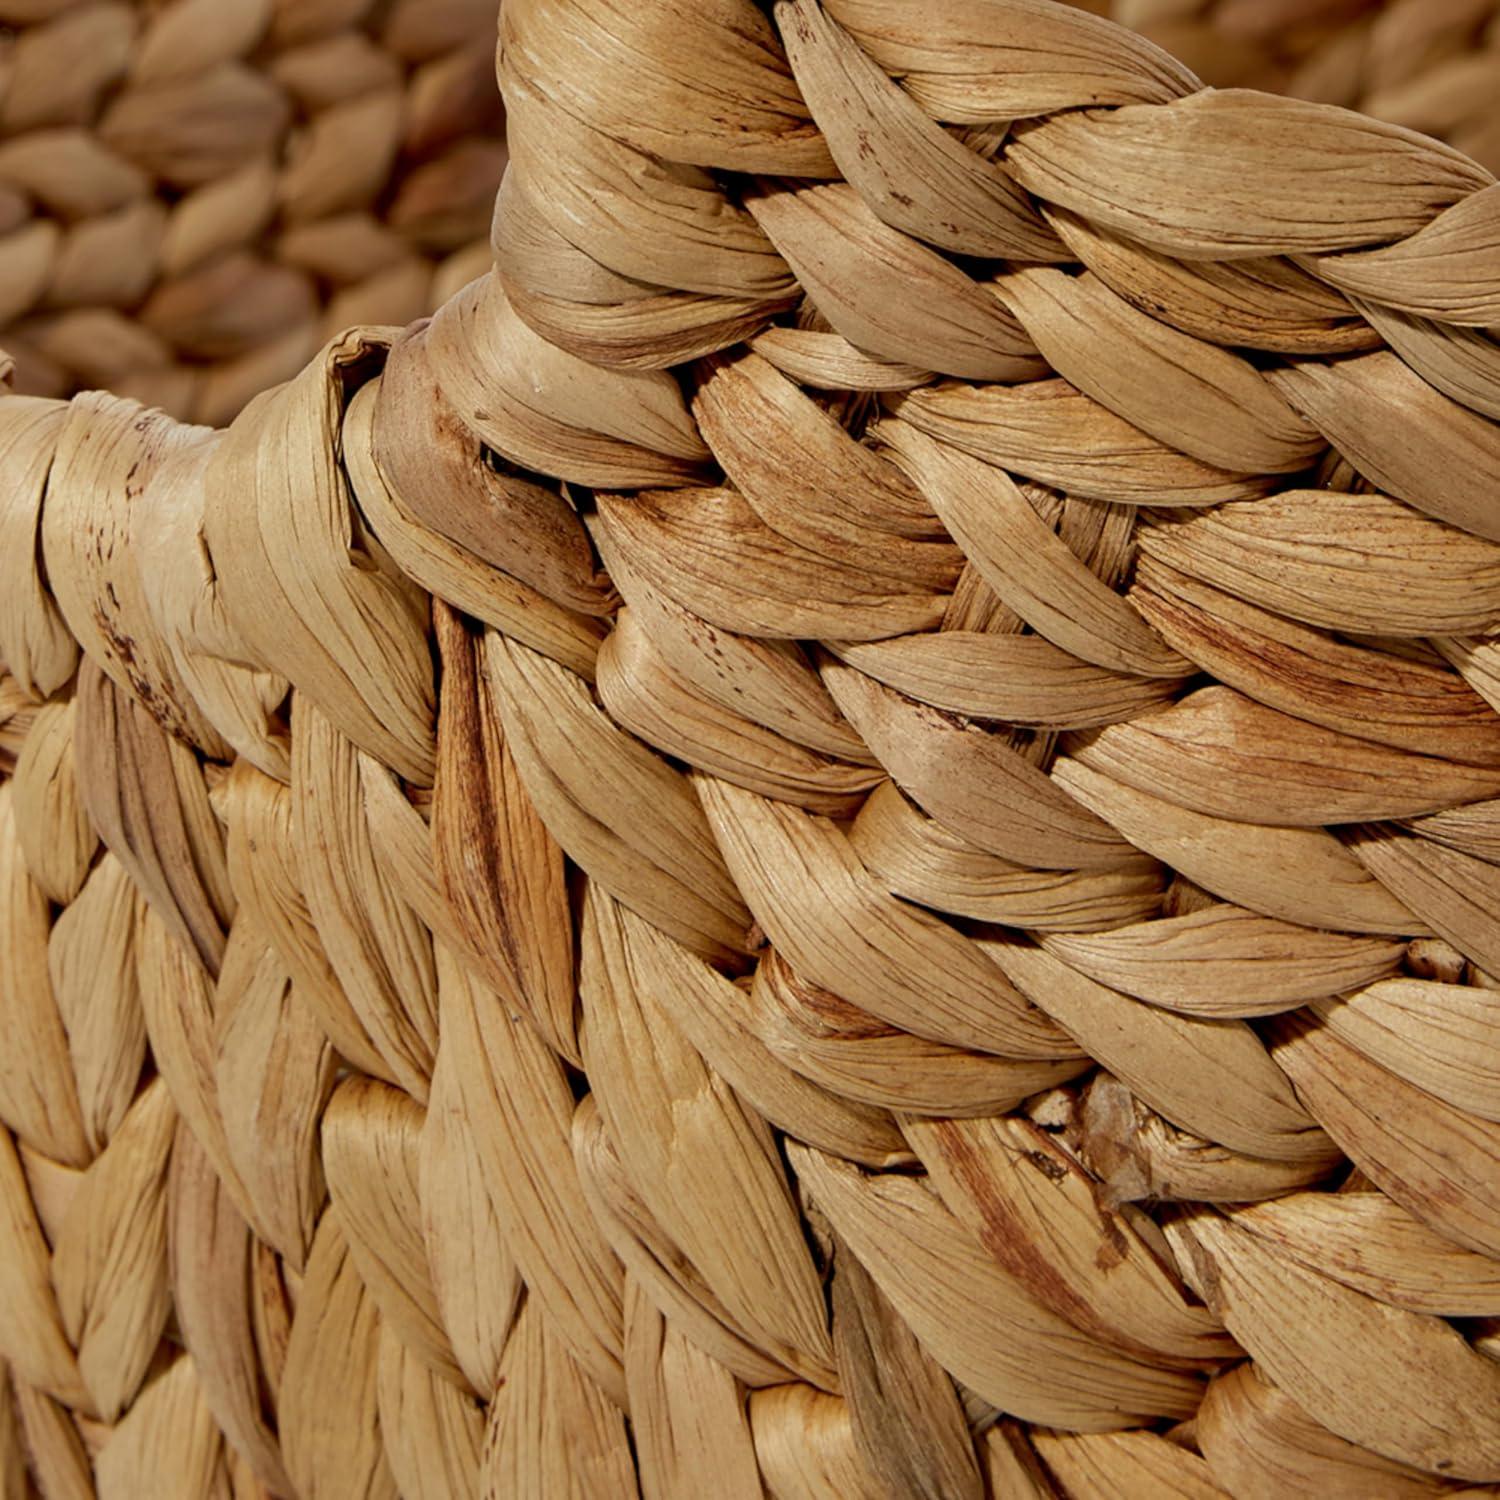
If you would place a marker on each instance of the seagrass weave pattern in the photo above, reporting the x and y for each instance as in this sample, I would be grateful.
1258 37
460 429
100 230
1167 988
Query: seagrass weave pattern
838 839
194 194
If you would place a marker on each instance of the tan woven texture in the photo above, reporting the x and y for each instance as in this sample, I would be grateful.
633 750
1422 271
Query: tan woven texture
839 839
195 194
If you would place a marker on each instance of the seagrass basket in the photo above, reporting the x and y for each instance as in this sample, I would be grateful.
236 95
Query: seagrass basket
195 194
837 839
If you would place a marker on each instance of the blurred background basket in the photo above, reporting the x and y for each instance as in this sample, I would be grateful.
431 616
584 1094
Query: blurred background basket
1431 65
195 193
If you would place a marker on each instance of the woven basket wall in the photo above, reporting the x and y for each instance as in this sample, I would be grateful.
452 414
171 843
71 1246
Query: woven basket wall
195 194
839 839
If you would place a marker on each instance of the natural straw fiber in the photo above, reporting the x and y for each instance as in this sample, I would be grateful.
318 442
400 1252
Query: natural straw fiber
195 194
838 839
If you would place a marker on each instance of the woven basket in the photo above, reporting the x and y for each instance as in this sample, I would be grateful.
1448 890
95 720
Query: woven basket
839 838
195 194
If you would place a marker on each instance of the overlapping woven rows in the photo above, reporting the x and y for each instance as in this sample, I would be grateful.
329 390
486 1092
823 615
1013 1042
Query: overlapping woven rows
840 837
195 194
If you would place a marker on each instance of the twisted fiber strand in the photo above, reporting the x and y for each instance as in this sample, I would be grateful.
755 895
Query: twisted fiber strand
836 838
194 195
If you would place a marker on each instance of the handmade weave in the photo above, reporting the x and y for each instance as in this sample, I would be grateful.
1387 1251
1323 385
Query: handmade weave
839 838
195 194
